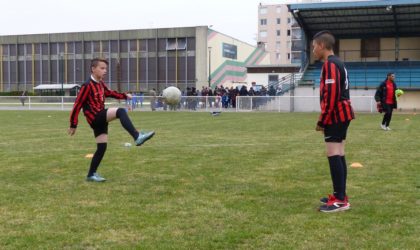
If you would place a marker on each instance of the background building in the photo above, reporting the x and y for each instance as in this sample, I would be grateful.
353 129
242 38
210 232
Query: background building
280 33
139 60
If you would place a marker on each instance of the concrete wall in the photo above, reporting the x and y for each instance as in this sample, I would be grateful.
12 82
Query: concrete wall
307 100
201 57
262 78
226 71
409 48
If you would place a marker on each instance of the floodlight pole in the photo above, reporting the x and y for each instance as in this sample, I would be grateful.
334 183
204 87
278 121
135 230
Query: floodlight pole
209 67
61 73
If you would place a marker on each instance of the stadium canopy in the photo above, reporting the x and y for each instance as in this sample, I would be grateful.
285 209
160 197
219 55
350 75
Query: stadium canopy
363 19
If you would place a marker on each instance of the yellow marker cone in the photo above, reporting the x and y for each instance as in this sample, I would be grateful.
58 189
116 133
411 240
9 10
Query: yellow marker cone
356 165
89 156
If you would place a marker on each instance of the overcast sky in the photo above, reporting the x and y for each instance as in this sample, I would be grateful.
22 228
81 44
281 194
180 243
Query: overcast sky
237 18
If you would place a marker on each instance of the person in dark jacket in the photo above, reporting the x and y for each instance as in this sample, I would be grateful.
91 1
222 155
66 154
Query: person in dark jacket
385 97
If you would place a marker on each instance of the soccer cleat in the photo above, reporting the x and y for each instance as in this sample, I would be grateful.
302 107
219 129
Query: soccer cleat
383 127
331 197
335 205
326 199
388 128
95 178
143 137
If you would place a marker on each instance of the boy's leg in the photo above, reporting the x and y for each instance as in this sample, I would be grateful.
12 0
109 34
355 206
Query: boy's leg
336 168
121 113
343 161
335 136
389 116
101 144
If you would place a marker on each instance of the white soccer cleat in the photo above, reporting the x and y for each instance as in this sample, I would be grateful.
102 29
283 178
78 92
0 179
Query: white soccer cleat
383 127
388 128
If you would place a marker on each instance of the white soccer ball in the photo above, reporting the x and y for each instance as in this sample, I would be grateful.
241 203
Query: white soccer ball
172 95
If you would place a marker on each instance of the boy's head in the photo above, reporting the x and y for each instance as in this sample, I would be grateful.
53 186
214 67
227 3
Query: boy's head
390 76
98 67
323 42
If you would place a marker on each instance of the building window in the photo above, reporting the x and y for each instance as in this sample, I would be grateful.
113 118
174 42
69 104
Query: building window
288 20
278 32
176 44
278 45
278 57
263 21
278 20
289 44
288 56
263 33
370 47
263 11
288 32
278 9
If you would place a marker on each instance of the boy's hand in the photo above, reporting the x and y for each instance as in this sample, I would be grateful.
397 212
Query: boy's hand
319 128
71 131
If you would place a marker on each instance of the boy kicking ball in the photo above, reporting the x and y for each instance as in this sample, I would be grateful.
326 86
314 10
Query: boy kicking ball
92 99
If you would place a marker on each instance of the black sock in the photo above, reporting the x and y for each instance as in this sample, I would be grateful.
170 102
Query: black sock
337 174
126 123
97 158
343 161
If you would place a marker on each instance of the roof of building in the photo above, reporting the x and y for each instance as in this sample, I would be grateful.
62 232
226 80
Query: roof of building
274 68
364 19
56 86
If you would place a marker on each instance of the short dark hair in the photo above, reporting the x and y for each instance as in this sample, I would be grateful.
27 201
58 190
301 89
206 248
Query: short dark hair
95 61
389 74
325 37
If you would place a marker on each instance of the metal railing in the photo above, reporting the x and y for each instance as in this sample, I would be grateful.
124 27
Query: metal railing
286 103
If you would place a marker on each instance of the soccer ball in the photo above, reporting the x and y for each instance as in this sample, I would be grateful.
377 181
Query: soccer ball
172 95
399 92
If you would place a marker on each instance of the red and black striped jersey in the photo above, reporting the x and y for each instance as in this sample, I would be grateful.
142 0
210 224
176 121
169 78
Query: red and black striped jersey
91 98
334 93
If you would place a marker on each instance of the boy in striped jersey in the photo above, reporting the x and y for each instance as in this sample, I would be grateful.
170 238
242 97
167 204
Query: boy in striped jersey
336 114
92 99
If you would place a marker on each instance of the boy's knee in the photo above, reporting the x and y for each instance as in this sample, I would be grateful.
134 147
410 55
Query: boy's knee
121 112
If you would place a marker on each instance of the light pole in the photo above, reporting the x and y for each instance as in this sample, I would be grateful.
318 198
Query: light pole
209 66
61 69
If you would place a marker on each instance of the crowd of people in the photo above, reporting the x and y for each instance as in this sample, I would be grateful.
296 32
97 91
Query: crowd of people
222 96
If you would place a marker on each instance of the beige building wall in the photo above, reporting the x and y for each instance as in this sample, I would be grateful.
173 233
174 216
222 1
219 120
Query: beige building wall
228 71
410 101
274 23
409 49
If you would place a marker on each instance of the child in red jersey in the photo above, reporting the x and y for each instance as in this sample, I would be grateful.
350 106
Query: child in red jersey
385 98
336 114
92 99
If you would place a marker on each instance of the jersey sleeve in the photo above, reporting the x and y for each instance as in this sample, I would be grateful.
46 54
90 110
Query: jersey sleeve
78 104
112 93
330 92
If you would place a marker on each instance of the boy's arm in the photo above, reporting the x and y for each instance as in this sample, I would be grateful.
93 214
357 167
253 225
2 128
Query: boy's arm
78 104
114 94
330 93
378 93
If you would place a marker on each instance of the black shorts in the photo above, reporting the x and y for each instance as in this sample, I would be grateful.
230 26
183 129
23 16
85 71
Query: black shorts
99 124
336 132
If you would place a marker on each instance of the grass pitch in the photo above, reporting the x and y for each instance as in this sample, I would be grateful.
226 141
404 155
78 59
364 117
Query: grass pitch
235 181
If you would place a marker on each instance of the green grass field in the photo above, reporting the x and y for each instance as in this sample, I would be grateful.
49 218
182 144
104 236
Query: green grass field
235 181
